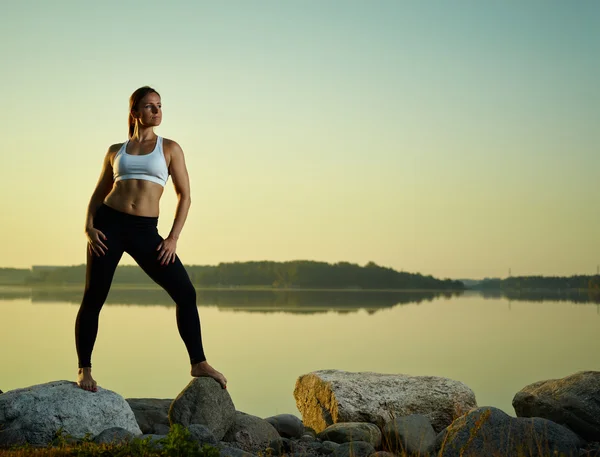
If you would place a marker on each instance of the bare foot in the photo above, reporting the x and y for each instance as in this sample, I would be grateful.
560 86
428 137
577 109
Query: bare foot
85 380
204 369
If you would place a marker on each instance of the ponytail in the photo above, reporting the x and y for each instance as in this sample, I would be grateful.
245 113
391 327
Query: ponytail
132 123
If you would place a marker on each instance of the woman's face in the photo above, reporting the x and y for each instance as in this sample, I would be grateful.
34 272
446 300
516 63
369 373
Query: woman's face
149 110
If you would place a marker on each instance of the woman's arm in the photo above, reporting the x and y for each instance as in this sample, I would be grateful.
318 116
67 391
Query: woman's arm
181 181
103 187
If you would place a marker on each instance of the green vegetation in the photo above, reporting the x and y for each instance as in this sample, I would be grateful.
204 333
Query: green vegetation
14 276
176 444
302 274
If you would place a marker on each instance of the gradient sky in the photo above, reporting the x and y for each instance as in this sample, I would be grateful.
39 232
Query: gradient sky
457 139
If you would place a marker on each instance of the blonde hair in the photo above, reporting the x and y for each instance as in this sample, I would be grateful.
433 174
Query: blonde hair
135 98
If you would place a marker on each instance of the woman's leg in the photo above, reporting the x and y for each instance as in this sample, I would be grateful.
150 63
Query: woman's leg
176 282
99 274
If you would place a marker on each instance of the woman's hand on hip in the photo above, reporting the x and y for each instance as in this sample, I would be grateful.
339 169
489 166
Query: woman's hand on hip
95 237
167 251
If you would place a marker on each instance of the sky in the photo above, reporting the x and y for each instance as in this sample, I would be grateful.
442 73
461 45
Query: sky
454 139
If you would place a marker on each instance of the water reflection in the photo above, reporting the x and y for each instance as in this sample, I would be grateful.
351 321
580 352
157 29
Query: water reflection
571 295
288 301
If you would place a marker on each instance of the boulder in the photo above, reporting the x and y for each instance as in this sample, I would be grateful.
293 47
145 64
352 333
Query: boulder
151 414
573 401
230 451
202 435
205 402
411 434
329 396
354 449
344 432
329 447
35 414
287 425
489 431
251 432
114 435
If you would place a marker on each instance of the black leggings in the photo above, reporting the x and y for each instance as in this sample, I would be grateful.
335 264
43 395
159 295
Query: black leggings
138 236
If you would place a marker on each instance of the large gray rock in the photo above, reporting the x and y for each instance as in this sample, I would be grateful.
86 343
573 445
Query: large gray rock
489 431
205 402
251 432
329 396
151 414
410 434
35 414
344 432
573 401
287 425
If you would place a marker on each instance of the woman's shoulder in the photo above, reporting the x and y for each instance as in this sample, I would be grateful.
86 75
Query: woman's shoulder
171 146
169 143
113 148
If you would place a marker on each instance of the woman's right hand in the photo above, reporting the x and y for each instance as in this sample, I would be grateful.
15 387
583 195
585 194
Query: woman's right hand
95 237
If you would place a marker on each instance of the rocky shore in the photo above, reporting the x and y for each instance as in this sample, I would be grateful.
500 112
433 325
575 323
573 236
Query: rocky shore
343 413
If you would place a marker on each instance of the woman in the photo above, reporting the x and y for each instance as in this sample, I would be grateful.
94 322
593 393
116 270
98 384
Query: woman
122 216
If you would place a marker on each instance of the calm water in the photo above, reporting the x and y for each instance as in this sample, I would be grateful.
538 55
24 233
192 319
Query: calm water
262 341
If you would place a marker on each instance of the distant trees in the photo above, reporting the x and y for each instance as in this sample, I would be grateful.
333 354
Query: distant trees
542 282
292 274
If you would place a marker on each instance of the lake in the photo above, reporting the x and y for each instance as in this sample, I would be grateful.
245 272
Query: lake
264 340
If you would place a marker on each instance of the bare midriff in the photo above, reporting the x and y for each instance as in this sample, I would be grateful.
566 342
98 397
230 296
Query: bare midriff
135 196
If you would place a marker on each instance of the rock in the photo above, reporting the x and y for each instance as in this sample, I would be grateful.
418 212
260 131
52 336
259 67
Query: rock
281 446
329 447
329 396
114 435
227 451
314 445
202 435
382 454
161 429
344 432
204 401
307 438
287 425
251 432
573 401
151 414
490 431
310 431
410 434
354 449
35 414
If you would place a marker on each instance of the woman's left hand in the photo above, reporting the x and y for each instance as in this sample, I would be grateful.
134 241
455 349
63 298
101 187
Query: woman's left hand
167 251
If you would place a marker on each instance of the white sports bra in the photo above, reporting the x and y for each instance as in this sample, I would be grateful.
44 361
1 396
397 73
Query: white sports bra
150 167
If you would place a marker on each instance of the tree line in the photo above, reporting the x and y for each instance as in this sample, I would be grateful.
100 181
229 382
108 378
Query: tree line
291 274
542 283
